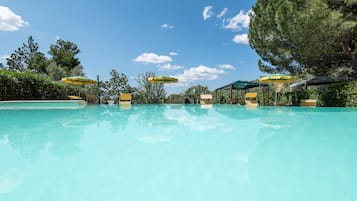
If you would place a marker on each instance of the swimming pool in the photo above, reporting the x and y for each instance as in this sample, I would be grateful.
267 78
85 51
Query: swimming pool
178 152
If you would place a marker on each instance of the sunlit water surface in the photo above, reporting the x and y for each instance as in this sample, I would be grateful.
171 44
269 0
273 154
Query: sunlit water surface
178 152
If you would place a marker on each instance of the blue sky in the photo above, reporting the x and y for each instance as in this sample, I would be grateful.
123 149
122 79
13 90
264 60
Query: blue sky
199 42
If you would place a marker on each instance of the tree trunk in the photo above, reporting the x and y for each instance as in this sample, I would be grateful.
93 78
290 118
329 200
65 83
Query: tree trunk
354 63
350 49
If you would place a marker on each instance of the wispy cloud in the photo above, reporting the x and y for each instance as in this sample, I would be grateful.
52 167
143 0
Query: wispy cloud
167 26
222 13
173 53
200 72
241 20
9 21
241 39
226 66
3 58
207 12
169 66
152 58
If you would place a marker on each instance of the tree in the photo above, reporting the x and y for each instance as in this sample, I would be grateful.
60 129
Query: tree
28 58
196 91
305 36
149 92
64 53
117 84
55 72
2 66
38 63
16 61
77 71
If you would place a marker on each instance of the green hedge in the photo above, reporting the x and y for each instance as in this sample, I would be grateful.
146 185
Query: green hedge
333 95
32 86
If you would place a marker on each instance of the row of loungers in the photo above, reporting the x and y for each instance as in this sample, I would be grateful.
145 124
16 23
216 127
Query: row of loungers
251 99
124 98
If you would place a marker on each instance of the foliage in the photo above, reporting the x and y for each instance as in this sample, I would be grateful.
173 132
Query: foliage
305 36
33 86
117 83
334 95
195 92
149 92
64 53
55 72
28 58
63 62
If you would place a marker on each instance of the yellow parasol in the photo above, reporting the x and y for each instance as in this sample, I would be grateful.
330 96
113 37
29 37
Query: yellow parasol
278 80
78 80
162 79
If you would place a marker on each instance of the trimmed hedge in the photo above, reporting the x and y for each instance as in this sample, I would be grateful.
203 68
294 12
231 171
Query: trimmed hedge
33 86
334 95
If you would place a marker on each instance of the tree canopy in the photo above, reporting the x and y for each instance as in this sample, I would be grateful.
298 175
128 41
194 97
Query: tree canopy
196 91
63 61
63 54
305 36
118 83
149 92
28 58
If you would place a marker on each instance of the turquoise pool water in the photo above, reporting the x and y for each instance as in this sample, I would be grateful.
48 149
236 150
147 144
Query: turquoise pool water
178 152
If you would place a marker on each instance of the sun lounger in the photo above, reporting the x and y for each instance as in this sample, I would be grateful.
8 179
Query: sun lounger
308 102
251 99
124 99
74 97
91 98
206 99
77 98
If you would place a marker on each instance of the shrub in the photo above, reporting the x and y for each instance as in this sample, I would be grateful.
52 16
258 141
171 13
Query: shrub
33 86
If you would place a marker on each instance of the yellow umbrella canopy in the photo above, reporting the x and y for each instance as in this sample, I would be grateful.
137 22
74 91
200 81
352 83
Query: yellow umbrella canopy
162 79
78 80
277 78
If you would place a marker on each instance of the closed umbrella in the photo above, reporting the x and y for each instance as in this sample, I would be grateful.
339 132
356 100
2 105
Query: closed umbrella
279 80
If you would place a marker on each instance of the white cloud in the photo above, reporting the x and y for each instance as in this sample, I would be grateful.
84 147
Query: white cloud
226 66
222 13
152 58
241 39
167 26
3 58
241 20
9 21
207 12
173 53
199 73
169 66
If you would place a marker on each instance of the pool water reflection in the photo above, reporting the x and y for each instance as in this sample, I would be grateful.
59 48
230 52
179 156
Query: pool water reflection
178 152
